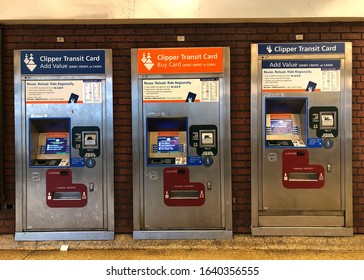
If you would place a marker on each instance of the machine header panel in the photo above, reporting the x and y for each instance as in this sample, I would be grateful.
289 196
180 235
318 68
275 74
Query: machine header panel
62 62
304 48
180 60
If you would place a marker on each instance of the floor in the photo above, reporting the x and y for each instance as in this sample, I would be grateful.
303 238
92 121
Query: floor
241 247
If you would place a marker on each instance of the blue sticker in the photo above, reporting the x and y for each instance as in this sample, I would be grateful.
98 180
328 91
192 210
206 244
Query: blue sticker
77 162
314 143
195 160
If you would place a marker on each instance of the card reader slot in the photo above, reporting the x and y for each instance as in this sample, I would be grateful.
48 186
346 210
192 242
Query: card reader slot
183 194
66 196
303 176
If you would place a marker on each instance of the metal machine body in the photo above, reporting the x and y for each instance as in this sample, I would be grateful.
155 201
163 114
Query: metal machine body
181 144
64 145
301 139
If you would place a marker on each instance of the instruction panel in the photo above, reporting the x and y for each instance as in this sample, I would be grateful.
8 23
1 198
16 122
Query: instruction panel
64 91
300 75
181 90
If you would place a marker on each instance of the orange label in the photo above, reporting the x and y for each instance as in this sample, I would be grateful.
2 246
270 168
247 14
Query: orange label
168 133
55 135
280 116
185 60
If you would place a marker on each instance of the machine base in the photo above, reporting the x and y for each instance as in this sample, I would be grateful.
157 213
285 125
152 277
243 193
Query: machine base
64 235
183 234
302 231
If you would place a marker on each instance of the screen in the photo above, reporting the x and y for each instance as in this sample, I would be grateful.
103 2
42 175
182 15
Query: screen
168 144
56 145
281 126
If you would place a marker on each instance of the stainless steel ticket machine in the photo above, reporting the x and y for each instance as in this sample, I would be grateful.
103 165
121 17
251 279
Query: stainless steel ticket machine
64 145
181 143
301 139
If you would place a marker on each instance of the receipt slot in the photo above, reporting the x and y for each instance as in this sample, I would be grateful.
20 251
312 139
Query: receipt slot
301 139
181 144
64 140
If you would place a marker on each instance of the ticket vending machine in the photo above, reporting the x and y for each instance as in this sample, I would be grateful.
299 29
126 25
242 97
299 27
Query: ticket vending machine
301 139
64 145
181 143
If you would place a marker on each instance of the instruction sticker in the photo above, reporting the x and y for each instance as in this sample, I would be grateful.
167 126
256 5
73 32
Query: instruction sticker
181 90
300 75
63 91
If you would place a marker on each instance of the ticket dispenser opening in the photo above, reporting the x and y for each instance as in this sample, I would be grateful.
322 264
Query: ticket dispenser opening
62 192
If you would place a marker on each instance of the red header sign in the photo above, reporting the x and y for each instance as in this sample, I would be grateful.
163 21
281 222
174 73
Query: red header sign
184 60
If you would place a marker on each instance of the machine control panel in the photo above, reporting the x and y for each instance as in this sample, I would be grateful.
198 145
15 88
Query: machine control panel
86 140
324 120
204 139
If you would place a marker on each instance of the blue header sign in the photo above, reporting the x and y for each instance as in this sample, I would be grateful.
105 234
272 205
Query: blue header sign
62 62
303 48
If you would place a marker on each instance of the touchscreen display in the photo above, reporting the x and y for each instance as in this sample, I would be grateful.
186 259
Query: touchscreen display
56 145
168 144
281 126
